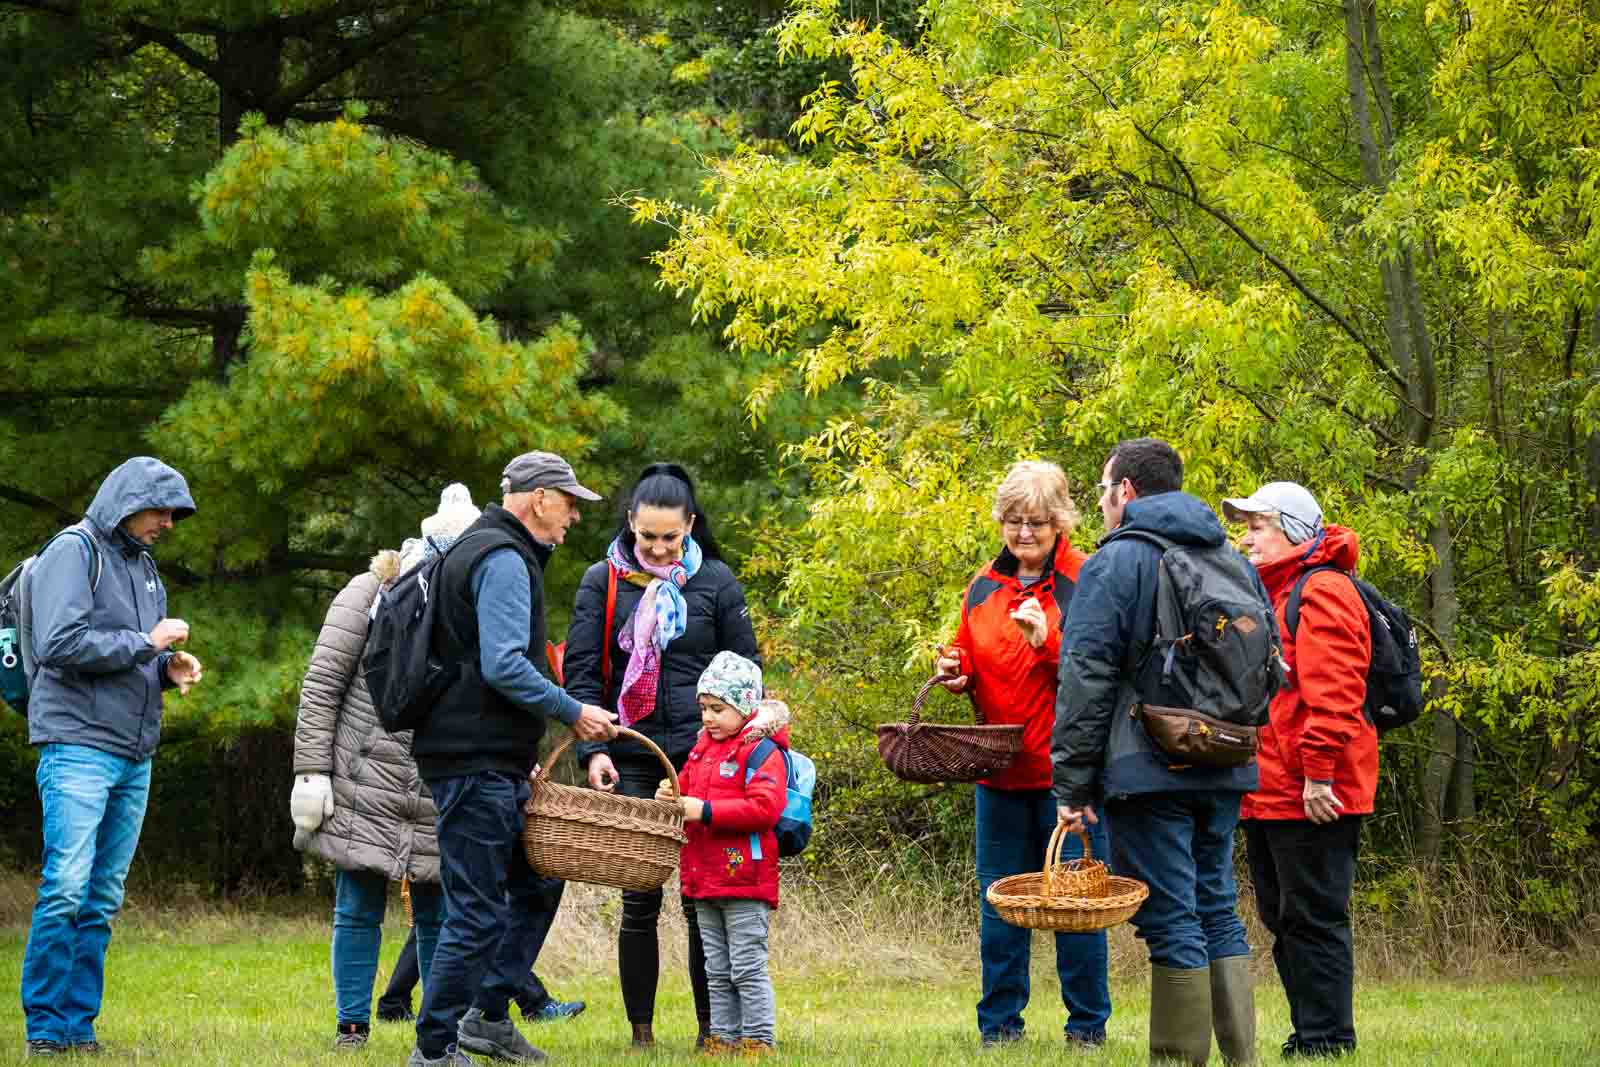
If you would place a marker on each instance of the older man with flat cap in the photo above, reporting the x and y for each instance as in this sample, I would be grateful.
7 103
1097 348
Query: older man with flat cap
475 750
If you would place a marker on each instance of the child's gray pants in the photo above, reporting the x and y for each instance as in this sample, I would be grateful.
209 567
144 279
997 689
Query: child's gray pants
734 933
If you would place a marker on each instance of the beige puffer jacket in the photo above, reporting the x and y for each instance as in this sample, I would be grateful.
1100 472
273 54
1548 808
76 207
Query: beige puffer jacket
383 817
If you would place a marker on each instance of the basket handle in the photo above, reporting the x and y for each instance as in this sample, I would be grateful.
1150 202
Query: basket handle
622 731
922 697
1052 854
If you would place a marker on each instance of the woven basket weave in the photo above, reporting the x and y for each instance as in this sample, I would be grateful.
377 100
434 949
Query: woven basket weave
585 835
1073 897
918 751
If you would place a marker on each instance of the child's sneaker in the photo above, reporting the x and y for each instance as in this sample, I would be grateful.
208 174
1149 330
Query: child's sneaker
751 1047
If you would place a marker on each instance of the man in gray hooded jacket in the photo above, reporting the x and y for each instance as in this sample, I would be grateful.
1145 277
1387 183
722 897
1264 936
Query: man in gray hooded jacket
105 651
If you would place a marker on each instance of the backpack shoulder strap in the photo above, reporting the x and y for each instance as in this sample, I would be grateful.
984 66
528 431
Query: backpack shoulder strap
1156 539
1291 611
758 756
96 564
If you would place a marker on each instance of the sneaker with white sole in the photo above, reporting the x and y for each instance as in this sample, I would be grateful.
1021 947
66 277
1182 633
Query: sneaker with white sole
499 1040
453 1057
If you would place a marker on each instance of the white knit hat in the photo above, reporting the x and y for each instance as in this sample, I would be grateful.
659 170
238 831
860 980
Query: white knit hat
456 512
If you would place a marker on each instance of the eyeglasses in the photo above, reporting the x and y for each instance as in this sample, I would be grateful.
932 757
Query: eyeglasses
1108 486
1031 524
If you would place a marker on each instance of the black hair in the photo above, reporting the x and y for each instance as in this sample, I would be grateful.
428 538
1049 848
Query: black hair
667 485
1152 465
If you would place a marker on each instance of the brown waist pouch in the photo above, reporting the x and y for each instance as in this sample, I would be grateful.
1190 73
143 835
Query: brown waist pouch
1190 738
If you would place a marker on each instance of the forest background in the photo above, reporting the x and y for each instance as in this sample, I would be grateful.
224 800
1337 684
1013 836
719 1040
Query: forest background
846 262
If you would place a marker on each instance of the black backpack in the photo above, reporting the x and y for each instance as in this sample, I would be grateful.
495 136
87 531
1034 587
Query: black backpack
1214 663
1394 675
404 675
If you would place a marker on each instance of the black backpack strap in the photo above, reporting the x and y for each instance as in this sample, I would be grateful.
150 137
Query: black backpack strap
477 545
1156 539
1291 613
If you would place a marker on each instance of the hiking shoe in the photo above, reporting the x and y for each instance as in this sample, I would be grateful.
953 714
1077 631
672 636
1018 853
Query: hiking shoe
453 1057
751 1047
351 1036
1000 1038
712 1045
42 1047
555 1011
90 1047
1085 1040
498 1040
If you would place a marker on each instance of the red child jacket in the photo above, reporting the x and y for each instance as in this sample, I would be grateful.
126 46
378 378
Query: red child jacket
735 855
1318 728
1009 679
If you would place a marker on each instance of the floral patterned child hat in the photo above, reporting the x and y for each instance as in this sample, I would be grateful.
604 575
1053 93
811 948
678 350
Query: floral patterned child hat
733 680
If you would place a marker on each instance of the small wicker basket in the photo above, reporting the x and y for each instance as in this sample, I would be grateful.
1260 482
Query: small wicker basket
916 751
1073 897
585 835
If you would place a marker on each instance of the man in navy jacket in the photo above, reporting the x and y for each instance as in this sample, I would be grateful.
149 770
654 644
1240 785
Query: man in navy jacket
1170 827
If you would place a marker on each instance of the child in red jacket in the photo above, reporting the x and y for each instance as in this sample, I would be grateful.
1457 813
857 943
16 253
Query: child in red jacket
730 864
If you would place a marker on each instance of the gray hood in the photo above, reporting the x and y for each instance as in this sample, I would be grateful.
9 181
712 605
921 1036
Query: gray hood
140 483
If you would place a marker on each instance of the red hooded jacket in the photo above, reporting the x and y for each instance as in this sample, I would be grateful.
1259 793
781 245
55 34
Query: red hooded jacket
1318 729
1009 679
735 854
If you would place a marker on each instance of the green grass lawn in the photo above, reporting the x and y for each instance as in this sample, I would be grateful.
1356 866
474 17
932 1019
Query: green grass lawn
254 991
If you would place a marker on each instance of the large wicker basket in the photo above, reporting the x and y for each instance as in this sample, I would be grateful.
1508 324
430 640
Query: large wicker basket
1073 897
918 751
585 835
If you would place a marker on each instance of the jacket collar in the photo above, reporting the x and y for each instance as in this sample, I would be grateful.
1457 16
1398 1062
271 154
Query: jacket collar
495 517
1006 564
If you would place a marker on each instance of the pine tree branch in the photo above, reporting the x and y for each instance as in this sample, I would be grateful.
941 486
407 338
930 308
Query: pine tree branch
38 503
347 57
90 392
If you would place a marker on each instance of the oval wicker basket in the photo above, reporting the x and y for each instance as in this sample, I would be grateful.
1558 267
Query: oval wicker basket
585 835
917 751
1073 897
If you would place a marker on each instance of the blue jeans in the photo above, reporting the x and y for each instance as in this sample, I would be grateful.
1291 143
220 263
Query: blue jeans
93 810
1180 844
1013 830
494 904
358 905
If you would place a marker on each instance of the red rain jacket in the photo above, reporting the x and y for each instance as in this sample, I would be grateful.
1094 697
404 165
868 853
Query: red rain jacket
735 854
1318 729
1009 679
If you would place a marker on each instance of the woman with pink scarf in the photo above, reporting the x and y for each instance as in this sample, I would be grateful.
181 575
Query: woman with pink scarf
648 620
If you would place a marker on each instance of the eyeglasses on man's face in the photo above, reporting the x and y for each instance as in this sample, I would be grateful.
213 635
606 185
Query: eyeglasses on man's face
1011 522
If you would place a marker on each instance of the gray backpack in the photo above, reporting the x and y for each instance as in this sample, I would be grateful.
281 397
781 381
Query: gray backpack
1215 660
17 665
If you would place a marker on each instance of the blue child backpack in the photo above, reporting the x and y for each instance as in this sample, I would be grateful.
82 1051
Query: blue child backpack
794 824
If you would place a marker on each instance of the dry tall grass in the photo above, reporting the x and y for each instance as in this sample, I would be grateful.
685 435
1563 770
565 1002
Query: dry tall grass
874 919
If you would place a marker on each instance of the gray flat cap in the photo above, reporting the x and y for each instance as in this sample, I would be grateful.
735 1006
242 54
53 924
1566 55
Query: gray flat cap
542 470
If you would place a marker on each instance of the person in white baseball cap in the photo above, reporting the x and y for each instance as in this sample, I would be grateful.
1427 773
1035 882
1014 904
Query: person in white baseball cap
1318 761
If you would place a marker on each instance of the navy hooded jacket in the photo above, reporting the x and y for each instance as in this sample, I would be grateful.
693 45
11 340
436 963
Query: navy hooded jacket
1100 750
100 679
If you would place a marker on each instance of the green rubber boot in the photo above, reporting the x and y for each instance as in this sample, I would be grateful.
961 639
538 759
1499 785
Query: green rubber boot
1233 1010
1180 1016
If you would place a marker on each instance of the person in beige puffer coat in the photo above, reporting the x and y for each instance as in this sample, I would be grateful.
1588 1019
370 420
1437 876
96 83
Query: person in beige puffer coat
358 801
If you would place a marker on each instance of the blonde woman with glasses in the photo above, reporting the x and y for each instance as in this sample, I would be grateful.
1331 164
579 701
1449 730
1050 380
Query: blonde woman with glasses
1005 656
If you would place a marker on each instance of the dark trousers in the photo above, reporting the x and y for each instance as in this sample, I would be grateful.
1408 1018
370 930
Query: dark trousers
1013 830
494 904
638 948
1180 844
531 998
1304 874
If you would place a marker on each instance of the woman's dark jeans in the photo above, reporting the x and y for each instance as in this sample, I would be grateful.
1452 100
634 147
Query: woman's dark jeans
1304 874
638 949
1013 829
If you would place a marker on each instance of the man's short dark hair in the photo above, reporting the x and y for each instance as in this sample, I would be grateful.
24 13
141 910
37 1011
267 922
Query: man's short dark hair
1152 465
